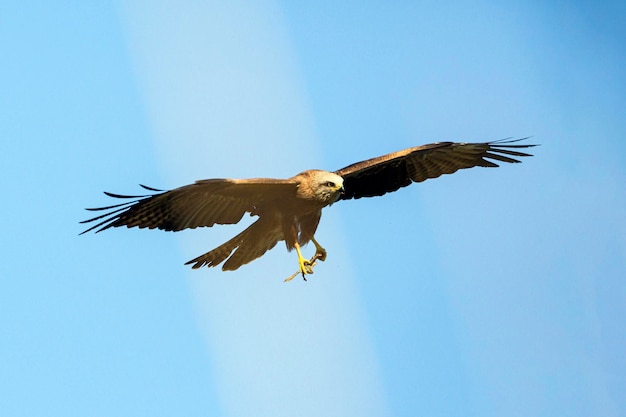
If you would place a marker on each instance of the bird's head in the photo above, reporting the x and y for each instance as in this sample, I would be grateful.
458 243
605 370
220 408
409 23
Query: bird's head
330 188
322 186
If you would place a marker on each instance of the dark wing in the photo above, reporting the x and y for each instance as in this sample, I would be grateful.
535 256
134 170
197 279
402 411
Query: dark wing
204 203
387 173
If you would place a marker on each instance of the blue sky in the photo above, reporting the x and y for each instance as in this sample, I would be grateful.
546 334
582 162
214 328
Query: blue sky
487 293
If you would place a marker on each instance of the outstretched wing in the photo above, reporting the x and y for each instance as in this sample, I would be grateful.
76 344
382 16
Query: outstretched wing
204 203
388 173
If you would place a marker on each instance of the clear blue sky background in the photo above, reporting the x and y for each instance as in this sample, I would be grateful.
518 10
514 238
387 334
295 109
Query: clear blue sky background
492 292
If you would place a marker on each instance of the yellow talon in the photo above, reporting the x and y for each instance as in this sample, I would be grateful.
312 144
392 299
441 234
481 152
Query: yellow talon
306 265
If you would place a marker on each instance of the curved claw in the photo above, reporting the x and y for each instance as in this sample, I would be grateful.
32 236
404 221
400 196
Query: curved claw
306 266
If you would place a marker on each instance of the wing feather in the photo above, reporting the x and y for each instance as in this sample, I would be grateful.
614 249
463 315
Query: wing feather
204 203
388 173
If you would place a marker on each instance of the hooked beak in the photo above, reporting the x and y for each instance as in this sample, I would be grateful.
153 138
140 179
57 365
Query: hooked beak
337 195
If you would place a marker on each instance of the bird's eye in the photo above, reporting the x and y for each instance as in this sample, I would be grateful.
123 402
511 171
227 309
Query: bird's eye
330 184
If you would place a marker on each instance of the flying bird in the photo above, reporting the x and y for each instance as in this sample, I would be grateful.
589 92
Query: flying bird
290 209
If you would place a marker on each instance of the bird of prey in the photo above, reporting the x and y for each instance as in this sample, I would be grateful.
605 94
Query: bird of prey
290 209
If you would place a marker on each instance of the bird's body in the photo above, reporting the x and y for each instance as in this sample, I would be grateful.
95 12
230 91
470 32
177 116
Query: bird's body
292 217
290 209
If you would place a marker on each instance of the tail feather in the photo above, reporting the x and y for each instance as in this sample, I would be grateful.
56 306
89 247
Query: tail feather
216 256
248 245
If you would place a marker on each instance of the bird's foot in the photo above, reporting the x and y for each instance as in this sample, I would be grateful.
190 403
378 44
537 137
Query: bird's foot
320 252
306 266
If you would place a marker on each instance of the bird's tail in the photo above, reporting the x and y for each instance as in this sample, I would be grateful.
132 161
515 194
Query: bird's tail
248 245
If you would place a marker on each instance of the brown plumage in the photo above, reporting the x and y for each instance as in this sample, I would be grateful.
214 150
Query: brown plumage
290 209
